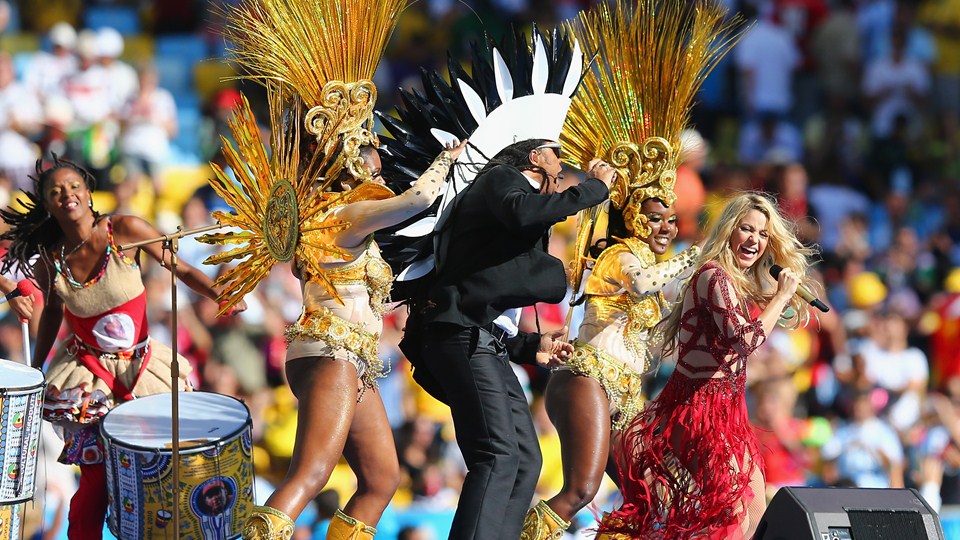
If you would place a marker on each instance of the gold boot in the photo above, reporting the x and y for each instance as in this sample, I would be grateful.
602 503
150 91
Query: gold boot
609 520
344 527
266 523
542 523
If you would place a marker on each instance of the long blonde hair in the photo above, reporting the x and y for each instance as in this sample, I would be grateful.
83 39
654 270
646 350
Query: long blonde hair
754 285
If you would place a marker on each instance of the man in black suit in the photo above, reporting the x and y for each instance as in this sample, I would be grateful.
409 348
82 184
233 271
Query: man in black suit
491 260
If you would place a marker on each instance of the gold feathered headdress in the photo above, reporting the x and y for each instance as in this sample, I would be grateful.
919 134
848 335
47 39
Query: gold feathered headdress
653 55
316 57
324 52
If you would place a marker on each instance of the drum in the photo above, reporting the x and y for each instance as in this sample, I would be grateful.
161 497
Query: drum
11 522
216 467
21 405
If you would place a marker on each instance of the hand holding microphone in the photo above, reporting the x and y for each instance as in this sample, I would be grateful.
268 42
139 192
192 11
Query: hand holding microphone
800 290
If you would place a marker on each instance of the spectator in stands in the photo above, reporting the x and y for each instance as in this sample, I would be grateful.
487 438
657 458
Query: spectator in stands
766 58
780 434
835 139
895 86
865 450
48 72
770 139
942 324
691 195
122 80
833 202
93 132
902 371
836 52
940 450
21 117
942 17
148 122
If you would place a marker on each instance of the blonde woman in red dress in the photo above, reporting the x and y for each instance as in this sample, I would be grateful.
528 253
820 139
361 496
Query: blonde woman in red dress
689 463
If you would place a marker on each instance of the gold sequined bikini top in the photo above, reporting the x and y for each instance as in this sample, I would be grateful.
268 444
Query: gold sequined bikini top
368 269
643 313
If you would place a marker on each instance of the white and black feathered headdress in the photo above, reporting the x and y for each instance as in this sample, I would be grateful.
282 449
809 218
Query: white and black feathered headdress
519 90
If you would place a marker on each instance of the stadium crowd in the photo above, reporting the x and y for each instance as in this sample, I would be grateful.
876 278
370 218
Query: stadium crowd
848 111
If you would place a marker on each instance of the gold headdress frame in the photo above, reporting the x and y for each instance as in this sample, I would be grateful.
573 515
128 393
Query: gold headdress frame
325 53
344 119
653 55
644 172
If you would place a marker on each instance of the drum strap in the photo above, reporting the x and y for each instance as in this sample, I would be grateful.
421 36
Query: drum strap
119 390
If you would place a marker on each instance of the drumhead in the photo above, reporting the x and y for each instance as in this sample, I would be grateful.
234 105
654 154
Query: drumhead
16 376
205 419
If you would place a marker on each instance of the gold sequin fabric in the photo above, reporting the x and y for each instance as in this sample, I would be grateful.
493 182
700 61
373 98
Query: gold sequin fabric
624 386
371 270
322 325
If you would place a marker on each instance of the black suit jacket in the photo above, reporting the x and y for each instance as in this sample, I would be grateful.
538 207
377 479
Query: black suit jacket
491 256
491 248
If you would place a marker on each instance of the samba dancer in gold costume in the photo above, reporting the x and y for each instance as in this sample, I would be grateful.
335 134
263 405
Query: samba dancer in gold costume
631 110
318 204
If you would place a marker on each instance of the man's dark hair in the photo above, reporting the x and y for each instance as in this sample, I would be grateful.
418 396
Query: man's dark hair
517 155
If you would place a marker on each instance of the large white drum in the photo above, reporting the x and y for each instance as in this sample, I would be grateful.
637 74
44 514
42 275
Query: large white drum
21 405
216 467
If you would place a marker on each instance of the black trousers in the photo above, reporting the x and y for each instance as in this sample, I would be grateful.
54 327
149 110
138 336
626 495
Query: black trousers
494 430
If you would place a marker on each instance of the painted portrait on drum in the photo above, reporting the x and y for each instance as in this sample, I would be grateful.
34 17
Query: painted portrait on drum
214 497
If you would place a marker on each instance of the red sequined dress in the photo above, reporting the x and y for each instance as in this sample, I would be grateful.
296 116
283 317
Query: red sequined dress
686 461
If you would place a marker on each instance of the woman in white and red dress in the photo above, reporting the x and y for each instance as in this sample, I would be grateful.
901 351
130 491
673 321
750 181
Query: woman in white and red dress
108 357
689 463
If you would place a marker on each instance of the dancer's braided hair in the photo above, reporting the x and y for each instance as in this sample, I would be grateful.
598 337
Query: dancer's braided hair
34 231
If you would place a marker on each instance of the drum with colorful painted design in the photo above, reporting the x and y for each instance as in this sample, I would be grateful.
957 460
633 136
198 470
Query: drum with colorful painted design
11 522
216 467
21 405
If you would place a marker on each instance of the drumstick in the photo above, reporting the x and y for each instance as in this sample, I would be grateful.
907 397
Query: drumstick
25 330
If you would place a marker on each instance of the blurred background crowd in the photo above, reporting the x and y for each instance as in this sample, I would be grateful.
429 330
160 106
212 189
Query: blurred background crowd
845 110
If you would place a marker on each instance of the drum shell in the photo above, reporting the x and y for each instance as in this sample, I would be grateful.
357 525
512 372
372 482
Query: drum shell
21 408
139 481
11 521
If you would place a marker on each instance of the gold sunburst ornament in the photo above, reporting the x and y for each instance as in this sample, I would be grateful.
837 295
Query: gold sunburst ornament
279 214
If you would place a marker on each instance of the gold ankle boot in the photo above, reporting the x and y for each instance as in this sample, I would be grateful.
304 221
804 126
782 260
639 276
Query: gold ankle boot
611 521
542 523
344 527
266 523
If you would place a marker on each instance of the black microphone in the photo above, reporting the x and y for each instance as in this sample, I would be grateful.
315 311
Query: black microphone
802 291
25 287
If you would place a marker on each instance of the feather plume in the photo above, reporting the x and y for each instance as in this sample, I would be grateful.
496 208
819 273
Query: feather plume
653 56
306 44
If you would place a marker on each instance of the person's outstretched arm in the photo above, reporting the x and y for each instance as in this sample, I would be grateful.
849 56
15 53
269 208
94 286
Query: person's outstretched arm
367 217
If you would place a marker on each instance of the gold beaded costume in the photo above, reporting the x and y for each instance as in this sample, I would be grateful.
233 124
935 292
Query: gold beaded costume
631 111
653 57
316 60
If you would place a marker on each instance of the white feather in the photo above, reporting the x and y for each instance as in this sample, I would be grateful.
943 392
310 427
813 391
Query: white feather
541 69
417 269
576 70
420 228
445 137
503 78
474 103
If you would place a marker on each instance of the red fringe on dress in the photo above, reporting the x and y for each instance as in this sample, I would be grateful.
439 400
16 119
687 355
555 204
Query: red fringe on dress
678 478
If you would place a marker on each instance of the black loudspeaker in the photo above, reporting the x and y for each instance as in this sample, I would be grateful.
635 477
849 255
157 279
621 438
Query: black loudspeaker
798 513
